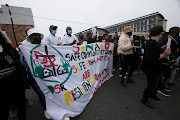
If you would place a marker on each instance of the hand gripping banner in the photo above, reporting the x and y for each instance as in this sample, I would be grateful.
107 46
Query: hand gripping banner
69 76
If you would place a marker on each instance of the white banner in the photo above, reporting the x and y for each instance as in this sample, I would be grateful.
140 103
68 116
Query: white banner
69 76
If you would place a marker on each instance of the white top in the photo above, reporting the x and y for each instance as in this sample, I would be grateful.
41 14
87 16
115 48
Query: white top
51 40
68 40
25 42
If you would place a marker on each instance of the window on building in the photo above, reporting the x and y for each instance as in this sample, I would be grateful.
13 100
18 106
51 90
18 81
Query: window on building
137 29
141 22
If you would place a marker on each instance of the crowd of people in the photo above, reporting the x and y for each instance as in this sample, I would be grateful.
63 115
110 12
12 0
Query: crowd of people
157 57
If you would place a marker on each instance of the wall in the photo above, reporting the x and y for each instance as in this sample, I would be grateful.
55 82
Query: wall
19 31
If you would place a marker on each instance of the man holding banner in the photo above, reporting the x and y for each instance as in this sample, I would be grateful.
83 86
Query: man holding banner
69 76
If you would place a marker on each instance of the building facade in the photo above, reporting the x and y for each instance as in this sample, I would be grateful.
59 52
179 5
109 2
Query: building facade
140 25
100 31
22 18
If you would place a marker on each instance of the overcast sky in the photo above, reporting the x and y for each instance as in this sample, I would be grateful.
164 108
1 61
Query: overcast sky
99 13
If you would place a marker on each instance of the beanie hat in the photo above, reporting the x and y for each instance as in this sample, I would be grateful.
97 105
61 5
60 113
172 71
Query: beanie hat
128 29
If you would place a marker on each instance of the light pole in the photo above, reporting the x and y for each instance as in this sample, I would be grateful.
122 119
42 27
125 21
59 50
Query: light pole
12 25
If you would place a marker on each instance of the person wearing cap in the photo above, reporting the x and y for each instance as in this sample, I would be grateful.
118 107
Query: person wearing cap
125 48
34 37
69 39
12 76
52 39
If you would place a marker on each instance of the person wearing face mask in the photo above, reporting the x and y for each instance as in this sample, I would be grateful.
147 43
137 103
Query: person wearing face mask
34 37
52 39
69 39
125 48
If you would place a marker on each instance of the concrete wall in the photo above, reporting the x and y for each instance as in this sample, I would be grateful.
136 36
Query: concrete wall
20 15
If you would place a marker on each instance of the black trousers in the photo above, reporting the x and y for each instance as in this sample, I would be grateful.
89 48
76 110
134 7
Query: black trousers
154 81
17 95
128 60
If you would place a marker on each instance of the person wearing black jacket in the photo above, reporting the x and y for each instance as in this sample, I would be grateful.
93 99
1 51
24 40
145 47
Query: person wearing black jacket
12 77
151 65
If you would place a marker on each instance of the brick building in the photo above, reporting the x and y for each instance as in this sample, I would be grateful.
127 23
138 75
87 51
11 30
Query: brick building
22 18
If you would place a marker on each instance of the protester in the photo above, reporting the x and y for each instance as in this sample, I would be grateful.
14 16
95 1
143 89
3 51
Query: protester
69 39
82 40
35 37
13 75
170 61
105 37
173 70
115 54
126 49
52 39
151 65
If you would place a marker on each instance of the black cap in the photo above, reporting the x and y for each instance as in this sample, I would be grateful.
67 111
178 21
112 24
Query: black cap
53 27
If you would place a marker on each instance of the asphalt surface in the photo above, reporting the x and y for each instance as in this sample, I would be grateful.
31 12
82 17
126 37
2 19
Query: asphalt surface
114 102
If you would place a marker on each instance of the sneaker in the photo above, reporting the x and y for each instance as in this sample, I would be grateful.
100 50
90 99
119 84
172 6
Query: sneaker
120 68
148 104
13 113
46 115
167 89
171 84
163 92
155 98
124 76
66 118
28 103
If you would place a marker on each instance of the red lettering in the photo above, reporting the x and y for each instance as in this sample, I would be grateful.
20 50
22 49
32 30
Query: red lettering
73 94
57 87
77 49
107 45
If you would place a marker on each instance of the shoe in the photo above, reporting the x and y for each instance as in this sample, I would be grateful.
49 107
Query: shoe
163 92
121 76
171 84
155 98
123 84
46 115
120 68
167 89
66 118
148 104
28 103
130 81
13 113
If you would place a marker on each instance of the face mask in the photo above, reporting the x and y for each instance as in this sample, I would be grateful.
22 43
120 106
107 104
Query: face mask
36 41
69 32
129 33
54 32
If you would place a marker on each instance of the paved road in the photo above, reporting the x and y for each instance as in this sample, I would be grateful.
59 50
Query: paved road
114 102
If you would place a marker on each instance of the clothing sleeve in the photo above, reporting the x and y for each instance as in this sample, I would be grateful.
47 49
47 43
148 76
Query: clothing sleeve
123 45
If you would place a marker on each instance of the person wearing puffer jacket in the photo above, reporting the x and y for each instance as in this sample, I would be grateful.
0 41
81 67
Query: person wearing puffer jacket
125 48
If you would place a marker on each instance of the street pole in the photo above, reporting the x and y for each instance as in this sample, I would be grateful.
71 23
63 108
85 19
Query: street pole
12 25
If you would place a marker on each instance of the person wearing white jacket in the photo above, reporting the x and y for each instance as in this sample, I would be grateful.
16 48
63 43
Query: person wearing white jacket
125 48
